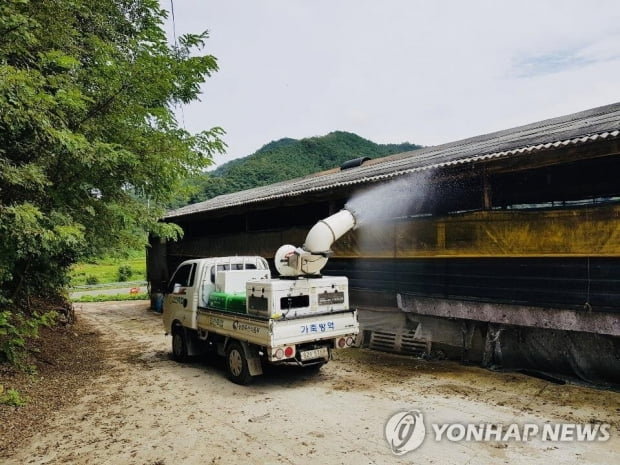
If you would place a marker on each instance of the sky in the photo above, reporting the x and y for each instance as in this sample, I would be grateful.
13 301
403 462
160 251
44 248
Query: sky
392 71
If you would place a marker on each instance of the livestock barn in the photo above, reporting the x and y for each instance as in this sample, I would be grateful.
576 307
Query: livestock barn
501 249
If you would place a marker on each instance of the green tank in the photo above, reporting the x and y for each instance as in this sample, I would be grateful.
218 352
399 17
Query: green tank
234 303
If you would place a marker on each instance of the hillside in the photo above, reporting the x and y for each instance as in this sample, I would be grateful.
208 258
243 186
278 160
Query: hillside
287 159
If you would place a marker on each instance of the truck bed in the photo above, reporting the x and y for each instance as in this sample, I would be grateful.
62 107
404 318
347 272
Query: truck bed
276 332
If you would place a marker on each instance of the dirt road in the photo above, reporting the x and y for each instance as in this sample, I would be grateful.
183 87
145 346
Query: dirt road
147 409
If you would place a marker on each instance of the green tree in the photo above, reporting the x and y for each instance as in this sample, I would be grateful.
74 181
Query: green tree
90 150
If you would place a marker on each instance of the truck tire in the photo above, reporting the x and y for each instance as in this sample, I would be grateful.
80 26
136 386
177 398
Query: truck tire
237 364
179 344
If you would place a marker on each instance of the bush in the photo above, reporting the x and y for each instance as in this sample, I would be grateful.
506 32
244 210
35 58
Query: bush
15 330
92 280
124 273
12 397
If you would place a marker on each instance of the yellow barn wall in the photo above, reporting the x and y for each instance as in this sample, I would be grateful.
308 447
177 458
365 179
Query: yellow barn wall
592 231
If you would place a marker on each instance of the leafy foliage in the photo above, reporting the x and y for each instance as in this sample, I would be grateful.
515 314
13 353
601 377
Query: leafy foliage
91 280
287 159
90 150
12 397
15 329
124 273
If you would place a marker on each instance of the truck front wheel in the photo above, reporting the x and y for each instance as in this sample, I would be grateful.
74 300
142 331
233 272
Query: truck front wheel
237 364
179 344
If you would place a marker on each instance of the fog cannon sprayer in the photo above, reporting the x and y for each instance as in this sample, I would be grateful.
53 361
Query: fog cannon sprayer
310 259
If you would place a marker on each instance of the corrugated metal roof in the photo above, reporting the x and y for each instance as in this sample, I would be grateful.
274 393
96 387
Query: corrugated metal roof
579 128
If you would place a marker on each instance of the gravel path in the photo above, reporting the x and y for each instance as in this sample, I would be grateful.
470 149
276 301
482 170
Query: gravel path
143 408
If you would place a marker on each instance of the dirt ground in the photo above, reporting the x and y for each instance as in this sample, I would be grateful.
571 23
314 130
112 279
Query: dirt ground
129 403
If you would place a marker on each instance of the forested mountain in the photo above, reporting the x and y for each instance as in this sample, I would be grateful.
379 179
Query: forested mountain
288 159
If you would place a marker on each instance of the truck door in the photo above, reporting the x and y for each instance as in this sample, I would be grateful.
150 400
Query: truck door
180 294
208 282
207 286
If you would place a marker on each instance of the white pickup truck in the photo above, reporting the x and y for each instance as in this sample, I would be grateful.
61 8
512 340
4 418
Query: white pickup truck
231 305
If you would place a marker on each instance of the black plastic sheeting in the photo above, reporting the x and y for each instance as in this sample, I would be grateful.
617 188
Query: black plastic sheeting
592 358
542 282
550 354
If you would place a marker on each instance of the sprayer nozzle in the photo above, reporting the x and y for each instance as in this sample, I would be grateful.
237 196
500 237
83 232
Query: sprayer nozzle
353 214
325 232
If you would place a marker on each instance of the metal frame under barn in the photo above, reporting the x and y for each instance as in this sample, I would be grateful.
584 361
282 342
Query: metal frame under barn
502 249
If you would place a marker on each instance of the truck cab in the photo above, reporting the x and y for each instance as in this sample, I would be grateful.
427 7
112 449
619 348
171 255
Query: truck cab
194 281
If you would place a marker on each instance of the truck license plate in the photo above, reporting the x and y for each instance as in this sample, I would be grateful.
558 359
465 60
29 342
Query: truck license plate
314 353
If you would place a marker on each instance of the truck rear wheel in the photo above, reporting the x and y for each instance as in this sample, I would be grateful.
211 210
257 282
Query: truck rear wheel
179 344
237 364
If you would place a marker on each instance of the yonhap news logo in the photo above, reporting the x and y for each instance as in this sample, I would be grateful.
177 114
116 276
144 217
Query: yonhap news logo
405 431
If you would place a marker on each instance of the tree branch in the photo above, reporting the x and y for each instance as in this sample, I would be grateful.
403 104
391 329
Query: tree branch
101 106
12 29
22 278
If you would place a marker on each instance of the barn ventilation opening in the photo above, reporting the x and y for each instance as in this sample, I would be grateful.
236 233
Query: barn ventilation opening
353 163
400 343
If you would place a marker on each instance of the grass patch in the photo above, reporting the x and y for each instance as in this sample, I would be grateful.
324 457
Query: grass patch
106 270
111 298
